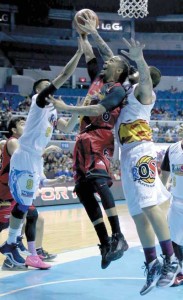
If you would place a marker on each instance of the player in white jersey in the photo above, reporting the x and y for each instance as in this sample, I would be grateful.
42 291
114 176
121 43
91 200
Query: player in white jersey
26 165
172 168
142 187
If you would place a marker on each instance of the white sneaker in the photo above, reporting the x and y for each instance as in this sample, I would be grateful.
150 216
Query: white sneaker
171 267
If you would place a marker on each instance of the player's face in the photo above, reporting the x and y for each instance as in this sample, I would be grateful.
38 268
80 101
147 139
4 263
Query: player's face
20 128
43 85
110 68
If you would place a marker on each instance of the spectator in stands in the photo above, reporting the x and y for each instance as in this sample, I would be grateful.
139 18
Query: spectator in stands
5 104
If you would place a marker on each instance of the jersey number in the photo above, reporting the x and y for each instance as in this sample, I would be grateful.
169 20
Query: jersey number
29 185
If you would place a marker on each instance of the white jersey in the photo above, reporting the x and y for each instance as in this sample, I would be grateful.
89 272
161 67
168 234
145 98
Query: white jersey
38 127
133 122
175 154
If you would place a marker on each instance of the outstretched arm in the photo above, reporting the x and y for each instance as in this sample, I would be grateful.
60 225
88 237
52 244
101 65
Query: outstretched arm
110 102
92 65
61 78
90 27
69 68
143 91
67 126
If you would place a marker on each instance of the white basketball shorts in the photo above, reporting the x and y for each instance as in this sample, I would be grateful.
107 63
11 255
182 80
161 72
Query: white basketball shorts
175 221
26 170
140 180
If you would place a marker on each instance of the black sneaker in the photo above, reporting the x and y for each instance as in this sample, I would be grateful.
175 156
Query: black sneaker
12 253
153 274
171 267
20 246
105 250
118 246
9 266
44 255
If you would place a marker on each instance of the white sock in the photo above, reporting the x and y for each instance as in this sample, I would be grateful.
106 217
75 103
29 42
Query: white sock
12 236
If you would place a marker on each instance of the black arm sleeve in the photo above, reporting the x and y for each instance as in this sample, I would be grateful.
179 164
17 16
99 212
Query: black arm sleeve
92 67
40 100
114 98
165 165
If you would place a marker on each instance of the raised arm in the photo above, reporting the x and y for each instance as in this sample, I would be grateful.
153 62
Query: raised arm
90 27
92 65
61 78
69 68
143 91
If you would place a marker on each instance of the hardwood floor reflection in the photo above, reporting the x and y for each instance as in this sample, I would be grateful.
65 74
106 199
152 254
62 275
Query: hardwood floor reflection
71 229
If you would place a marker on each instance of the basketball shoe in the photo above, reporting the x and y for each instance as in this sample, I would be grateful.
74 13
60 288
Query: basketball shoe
44 255
21 248
36 262
171 267
152 273
118 246
9 266
105 249
178 280
11 251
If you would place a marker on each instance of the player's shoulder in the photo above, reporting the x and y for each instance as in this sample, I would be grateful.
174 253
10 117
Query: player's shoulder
11 142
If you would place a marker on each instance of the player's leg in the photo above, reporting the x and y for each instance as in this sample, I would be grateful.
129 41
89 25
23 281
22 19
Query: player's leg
134 192
9 248
175 221
152 264
85 193
33 260
119 244
44 255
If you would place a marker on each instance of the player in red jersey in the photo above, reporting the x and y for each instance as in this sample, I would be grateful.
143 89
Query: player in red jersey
95 143
7 203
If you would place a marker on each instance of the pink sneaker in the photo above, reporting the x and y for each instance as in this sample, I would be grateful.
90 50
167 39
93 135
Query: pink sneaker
36 262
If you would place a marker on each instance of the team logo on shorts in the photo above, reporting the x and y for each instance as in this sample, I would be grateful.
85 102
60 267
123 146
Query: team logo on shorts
27 194
145 171
106 116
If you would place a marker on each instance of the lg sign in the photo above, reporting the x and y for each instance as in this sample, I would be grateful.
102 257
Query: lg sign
4 17
116 26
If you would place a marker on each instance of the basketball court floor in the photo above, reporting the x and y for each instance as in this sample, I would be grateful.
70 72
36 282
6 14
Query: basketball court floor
76 272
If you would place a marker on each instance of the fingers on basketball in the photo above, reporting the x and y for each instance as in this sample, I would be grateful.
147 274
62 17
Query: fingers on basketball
82 17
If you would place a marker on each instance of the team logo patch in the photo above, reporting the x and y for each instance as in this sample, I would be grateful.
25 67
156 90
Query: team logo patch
106 116
27 194
145 171
53 121
177 169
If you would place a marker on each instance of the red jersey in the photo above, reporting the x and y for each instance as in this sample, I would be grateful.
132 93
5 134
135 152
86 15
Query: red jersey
4 175
97 92
95 144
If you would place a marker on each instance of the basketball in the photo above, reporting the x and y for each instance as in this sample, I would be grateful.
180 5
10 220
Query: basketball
81 13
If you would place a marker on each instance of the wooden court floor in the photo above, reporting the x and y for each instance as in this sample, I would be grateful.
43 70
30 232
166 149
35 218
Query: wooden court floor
68 228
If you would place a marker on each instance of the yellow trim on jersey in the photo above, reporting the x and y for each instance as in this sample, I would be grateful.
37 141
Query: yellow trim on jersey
136 131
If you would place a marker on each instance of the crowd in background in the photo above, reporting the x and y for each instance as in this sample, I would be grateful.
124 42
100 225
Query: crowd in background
168 107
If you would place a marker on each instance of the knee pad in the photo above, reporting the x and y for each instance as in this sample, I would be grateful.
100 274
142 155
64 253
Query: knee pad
19 210
32 213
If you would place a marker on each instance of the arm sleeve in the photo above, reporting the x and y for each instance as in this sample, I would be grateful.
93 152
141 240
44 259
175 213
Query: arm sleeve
114 98
40 100
92 67
165 165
